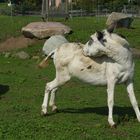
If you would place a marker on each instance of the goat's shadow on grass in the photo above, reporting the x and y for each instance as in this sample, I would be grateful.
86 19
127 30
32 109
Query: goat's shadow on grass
120 111
3 89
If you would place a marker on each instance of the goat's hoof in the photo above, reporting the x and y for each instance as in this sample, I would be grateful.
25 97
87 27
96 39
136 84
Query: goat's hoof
44 114
54 109
114 126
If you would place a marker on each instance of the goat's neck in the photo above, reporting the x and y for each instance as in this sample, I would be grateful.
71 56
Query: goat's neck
121 55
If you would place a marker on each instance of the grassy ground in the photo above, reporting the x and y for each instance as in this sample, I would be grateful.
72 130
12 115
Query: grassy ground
82 107
11 26
82 28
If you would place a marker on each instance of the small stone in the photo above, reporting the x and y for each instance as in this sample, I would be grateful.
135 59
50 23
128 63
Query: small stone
36 57
7 55
22 55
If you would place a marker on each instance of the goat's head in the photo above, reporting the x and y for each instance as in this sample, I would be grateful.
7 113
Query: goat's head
96 45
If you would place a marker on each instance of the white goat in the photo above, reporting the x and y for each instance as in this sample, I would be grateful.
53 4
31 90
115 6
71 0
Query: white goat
115 65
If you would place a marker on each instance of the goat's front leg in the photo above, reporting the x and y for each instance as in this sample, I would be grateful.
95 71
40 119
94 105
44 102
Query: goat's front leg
110 100
133 100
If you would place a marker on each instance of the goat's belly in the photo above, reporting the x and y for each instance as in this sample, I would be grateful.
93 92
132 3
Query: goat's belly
92 77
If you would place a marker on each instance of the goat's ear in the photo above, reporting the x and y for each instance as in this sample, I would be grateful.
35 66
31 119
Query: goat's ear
99 35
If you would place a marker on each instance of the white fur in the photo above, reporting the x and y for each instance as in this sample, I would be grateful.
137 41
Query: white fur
115 65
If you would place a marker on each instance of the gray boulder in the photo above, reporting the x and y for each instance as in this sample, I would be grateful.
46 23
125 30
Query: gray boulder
43 30
53 42
119 20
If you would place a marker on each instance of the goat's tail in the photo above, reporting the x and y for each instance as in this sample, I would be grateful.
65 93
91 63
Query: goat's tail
44 63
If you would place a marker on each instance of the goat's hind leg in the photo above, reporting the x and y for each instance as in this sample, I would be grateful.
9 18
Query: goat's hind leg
48 89
61 78
52 100
133 100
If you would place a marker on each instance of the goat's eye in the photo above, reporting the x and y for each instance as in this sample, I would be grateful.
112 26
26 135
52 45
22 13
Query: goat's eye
90 42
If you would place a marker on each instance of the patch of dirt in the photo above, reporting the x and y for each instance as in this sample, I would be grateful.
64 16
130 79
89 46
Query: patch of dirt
16 43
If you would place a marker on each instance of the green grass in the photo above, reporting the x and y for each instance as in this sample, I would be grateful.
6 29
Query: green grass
82 107
11 26
82 28
89 25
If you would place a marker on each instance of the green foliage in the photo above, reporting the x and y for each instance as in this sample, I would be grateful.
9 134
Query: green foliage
4 9
23 6
85 4
2 1
27 5
112 5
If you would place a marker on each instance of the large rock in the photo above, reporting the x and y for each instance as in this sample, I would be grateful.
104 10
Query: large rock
53 42
43 30
119 20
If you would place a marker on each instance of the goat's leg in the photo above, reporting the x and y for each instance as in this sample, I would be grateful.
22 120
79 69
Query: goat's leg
61 78
110 100
52 100
49 87
133 100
